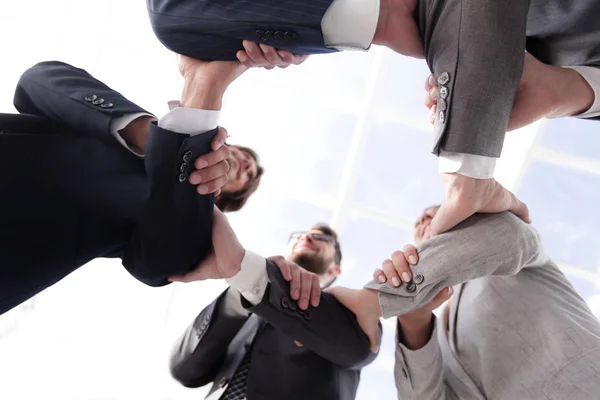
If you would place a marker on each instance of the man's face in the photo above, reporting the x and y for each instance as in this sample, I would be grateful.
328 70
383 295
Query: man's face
242 169
422 224
313 250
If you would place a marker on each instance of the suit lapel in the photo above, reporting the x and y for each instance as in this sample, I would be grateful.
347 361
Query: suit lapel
454 372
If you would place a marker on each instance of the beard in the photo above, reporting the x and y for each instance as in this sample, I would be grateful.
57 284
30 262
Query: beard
311 262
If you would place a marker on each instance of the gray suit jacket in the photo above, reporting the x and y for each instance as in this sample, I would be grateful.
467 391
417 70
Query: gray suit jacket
476 48
517 329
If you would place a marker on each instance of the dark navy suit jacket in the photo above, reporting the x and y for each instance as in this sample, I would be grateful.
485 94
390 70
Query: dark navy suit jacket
71 193
214 29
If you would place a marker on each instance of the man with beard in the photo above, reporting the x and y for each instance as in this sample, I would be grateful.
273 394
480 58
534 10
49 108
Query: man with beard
261 338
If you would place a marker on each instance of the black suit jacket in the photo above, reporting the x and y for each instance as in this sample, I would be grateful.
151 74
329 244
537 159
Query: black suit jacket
327 367
72 193
478 45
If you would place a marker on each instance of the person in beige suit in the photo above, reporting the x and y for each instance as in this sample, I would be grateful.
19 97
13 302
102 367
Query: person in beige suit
514 329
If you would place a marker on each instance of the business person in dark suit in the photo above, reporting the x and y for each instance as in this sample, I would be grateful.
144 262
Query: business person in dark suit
84 174
475 49
256 341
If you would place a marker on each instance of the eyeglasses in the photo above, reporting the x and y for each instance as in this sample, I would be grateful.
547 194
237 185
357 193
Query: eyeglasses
321 237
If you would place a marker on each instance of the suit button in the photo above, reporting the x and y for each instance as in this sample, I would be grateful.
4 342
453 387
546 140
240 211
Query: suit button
307 315
290 36
442 117
411 287
106 105
91 97
184 167
260 34
443 78
98 101
293 306
183 177
285 302
279 36
223 382
441 105
270 35
187 157
443 92
419 279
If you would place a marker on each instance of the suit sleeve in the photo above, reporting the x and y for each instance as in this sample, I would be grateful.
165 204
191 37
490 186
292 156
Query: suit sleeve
419 374
476 50
174 230
483 245
330 330
199 353
73 98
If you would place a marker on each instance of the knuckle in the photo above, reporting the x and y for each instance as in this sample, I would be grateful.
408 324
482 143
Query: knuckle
409 248
397 256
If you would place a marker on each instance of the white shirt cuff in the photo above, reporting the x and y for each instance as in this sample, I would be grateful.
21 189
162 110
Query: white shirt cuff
350 24
592 76
252 280
118 124
478 167
189 121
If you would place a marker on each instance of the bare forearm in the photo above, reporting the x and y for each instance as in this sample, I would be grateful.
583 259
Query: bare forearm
574 93
415 332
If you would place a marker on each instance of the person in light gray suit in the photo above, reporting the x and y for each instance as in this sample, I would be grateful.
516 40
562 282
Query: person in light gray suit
515 328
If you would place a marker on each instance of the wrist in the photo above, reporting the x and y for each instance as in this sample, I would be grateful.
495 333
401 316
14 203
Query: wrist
202 93
414 332
234 265
415 322
575 95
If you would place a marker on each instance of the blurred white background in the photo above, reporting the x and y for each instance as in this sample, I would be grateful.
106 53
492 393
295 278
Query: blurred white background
344 140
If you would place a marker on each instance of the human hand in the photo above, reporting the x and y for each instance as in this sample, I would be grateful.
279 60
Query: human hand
397 269
261 55
304 286
211 170
226 258
545 91
465 196
364 303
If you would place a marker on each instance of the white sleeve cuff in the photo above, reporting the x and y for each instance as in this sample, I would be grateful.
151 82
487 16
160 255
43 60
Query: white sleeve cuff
350 24
252 280
478 167
190 121
592 76
118 124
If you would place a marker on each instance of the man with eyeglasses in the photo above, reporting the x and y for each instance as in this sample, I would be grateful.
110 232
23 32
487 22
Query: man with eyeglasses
255 341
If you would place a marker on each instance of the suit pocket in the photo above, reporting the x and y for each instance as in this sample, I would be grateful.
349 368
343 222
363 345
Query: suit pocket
578 380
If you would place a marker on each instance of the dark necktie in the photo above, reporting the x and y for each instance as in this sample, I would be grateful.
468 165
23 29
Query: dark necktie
236 390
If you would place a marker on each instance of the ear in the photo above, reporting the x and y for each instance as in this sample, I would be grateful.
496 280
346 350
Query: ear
334 271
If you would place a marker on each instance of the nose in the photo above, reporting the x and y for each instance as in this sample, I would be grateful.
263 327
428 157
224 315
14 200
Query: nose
306 237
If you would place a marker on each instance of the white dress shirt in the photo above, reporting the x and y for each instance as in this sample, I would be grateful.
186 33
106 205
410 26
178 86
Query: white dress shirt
190 121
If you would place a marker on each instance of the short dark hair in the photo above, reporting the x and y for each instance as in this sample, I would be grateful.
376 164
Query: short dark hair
229 202
326 229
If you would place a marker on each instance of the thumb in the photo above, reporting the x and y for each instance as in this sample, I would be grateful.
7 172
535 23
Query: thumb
520 209
450 214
